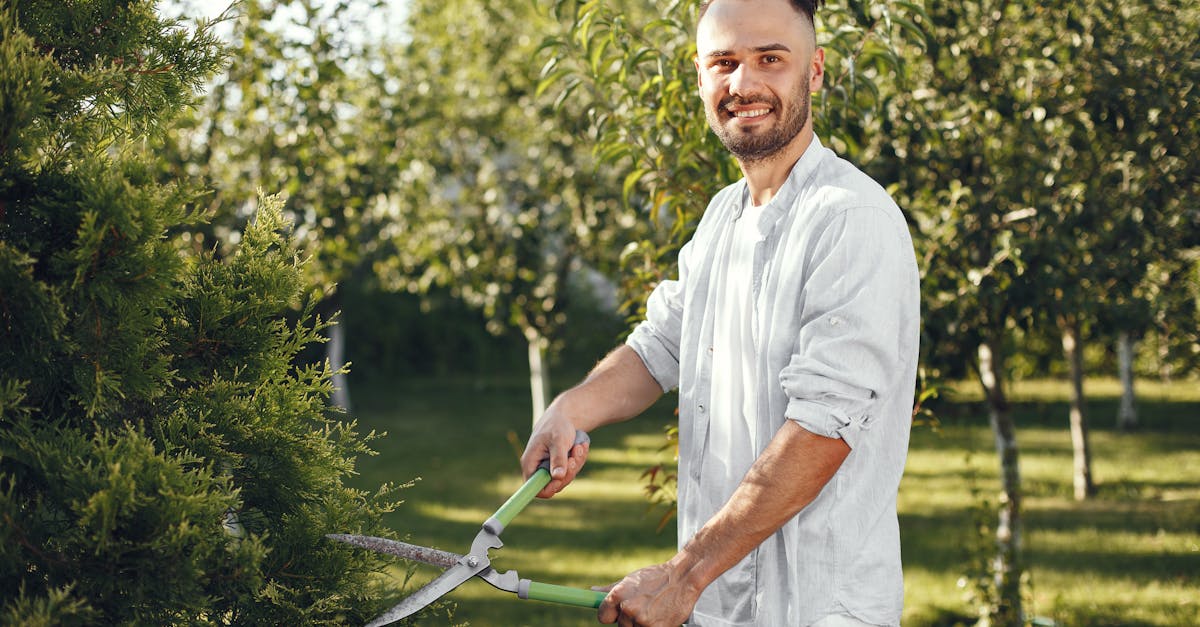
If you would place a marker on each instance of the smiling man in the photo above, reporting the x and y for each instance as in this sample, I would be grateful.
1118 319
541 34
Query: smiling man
791 334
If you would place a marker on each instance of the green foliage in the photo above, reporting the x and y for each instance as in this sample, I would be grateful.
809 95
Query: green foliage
164 456
115 69
301 109
632 73
1032 200
502 202
1024 200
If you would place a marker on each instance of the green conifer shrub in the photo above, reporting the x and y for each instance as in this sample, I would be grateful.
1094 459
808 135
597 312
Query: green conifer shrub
165 457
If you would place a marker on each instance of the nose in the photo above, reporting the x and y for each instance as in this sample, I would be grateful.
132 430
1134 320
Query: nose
744 81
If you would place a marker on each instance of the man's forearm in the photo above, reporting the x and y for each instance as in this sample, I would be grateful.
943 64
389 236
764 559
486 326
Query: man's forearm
789 475
618 388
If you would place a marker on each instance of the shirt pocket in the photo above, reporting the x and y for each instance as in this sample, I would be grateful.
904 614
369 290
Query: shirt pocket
731 600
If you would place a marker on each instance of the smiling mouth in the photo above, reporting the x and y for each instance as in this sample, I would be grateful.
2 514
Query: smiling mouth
751 113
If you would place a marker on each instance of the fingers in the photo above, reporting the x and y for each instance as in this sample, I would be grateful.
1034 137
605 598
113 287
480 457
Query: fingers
649 597
536 450
564 466
615 608
554 439
560 448
610 608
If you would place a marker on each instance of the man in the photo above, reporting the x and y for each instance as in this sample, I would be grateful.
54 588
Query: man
792 335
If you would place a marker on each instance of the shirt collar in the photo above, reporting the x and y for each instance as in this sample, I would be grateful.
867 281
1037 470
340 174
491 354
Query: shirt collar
800 175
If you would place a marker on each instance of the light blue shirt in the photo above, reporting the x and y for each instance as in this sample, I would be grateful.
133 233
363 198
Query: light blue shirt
834 331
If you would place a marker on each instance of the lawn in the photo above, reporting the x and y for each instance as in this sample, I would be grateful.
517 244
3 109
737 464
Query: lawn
1131 556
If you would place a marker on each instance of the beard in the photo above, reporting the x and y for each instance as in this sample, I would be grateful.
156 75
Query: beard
762 144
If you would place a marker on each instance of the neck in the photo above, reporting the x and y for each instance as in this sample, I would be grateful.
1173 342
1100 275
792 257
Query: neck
764 177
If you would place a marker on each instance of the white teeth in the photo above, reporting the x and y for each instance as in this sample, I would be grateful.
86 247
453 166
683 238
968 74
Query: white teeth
752 113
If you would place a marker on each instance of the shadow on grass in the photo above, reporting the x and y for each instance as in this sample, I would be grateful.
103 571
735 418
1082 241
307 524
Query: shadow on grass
935 541
1154 416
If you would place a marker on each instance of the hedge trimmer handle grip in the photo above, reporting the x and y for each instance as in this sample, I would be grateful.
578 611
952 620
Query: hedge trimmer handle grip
517 502
560 594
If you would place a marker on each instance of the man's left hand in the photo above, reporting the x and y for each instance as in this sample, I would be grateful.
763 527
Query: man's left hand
655 596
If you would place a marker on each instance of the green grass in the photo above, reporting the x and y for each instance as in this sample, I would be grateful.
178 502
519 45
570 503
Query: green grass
1131 556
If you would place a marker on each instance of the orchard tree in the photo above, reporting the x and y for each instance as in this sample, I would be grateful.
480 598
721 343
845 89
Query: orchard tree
1126 91
1136 62
972 150
304 109
164 457
500 201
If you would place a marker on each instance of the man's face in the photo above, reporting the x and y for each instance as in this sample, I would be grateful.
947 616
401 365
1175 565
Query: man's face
758 64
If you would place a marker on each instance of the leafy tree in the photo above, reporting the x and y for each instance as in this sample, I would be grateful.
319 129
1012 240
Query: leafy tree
163 457
987 153
1137 64
303 108
501 201
1127 91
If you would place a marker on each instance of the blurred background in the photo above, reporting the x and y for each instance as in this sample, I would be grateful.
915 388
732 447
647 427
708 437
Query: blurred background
482 194
486 192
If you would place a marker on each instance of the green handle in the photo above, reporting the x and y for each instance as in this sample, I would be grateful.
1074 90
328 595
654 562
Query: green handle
517 501
560 594
525 493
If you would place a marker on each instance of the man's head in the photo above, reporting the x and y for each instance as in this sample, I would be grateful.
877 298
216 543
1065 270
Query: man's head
807 8
758 63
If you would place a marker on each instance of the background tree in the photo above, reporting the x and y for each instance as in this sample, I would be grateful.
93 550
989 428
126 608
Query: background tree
306 109
1025 119
501 201
1137 67
163 459
976 124
1125 92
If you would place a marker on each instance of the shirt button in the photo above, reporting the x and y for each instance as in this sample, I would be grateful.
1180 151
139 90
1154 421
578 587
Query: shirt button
700 408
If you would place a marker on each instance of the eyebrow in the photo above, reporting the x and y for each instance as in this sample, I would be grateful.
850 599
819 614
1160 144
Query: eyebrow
716 54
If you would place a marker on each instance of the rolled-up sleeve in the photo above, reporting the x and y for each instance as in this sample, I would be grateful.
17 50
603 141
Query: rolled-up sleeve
657 338
852 309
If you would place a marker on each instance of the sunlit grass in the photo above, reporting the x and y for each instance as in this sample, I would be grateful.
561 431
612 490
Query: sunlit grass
1131 556
1098 388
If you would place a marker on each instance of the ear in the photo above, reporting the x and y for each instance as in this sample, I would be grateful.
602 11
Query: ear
816 77
699 74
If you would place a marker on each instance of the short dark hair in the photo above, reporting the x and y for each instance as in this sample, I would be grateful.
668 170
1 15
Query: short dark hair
807 8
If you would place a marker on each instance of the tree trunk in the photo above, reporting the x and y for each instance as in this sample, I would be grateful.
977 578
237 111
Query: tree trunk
1127 418
335 352
1007 566
1082 474
539 373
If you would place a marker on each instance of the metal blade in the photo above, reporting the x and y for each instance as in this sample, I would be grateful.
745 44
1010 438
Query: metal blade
415 552
447 581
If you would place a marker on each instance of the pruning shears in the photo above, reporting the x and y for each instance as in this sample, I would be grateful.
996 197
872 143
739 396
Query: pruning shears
477 563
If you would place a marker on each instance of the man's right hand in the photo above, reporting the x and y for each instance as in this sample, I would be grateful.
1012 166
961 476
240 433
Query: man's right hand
554 437
618 388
